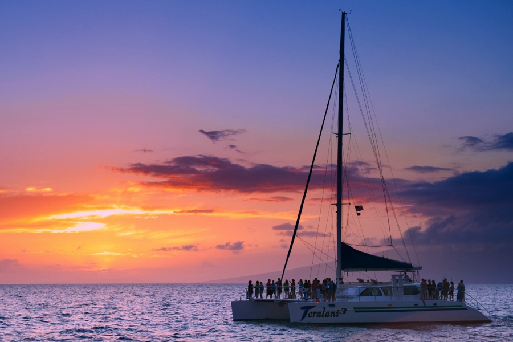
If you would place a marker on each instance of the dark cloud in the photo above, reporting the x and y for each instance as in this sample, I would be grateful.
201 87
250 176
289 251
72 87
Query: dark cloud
466 191
272 199
471 142
144 150
468 209
427 169
311 233
498 142
182 248
287 229
209 173
224 134
286 226
504 142
234 147
235 247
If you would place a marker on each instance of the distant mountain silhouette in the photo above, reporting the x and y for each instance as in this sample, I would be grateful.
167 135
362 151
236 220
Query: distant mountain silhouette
319 271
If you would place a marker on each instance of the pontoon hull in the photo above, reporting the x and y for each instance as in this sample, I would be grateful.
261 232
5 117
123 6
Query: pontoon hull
254 309
348 312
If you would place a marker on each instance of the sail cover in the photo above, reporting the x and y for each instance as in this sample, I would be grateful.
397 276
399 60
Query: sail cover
354 260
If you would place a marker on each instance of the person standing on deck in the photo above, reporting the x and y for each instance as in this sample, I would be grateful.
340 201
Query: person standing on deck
460 296
329 288
451 291
273 289
423 290
286 288
323 289
257 288
445 289
314 288
269 289
293 288
250 290
463 291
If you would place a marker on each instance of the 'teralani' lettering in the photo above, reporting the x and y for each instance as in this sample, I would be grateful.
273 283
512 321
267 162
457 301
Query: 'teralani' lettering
307 311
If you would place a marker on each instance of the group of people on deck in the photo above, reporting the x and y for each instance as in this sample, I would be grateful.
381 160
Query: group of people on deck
444 290
308 289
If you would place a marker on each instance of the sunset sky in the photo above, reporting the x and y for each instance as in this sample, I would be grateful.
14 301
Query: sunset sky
169 141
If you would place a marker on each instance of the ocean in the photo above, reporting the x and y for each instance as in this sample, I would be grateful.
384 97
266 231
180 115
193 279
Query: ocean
201 312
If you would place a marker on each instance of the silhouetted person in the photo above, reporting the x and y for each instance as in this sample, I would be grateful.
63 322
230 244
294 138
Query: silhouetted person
250 290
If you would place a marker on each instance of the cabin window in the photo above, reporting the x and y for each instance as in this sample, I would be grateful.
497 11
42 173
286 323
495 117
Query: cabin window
387 291
351 291
411 290
371 291
408 290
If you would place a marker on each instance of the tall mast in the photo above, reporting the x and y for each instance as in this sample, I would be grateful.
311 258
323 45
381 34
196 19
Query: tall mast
339 148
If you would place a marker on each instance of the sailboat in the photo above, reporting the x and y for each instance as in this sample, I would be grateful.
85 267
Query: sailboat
397 301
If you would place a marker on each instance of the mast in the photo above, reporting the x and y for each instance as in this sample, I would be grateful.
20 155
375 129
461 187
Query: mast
339 149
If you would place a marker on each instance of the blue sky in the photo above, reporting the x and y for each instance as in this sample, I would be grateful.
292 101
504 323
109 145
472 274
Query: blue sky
93 92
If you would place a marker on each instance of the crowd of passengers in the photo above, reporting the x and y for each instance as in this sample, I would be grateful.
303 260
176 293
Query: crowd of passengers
444 290
308 289
325 290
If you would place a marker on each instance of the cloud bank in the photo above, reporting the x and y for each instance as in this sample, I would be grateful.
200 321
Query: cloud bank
210 173
181 248
427 169
472 208
235 247
498 143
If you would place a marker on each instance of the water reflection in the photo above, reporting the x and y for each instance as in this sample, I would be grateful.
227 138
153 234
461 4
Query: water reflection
191 312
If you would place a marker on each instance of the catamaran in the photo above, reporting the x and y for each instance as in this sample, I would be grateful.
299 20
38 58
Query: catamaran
397 301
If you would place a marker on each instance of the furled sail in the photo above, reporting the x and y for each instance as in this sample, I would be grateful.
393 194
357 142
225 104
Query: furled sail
355 260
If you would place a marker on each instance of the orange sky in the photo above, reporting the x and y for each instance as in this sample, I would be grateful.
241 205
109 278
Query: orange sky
171 142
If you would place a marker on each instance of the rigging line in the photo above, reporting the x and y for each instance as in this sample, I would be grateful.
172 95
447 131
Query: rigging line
329 161
309 175
365 93
330 153
370 246
360 159
330 237
373 147
324 187
309 244
367 100
370 127
393 177
375 152
309 248
373 140
350 194
371 193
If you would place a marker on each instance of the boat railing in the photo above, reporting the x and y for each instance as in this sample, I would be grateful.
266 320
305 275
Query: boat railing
280 293
475 303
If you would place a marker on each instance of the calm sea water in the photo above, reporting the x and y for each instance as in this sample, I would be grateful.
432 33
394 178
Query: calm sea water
201 312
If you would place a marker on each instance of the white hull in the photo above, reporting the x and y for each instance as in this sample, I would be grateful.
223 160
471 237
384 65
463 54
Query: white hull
351 312
254 309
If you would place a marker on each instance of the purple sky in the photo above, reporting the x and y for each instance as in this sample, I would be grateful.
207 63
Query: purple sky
225 98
